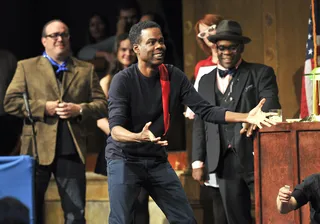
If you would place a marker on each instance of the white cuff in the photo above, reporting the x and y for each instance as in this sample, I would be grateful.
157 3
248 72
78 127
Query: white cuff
197 164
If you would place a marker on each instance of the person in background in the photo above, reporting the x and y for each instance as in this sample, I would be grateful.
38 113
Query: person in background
129 14
307 191
13 211
98 28
63 93
124 58
11 126
209 188
203 28
224 149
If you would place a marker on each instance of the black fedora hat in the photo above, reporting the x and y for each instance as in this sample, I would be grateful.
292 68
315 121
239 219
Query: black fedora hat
229 30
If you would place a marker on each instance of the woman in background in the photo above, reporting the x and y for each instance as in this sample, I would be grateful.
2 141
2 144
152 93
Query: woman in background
203 28
210 190
98 29
124 58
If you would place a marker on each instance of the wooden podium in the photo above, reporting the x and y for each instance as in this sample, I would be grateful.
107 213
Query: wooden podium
284 155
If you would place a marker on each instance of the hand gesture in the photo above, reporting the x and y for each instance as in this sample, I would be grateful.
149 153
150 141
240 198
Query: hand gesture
67 110
248 129
189 114
121 26
51 107
198 175
284 195
147 136
257 117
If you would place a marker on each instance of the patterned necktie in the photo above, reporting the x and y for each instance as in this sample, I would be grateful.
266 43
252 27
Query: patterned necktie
61 68
224 73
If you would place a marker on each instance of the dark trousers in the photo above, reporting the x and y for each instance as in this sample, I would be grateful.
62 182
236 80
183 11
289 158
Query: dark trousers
141 209
235 186
213 211
69 173
125 179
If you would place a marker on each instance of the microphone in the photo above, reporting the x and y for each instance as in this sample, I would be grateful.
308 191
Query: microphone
26 102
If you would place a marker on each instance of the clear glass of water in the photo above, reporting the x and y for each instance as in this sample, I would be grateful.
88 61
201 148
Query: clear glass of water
277 117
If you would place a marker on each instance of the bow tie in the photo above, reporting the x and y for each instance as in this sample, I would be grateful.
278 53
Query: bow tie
224 73
61 68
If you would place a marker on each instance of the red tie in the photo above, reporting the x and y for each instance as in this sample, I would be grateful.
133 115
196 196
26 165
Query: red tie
165 90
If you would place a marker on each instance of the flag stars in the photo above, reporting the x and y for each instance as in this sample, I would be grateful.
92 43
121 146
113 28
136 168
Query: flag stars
309 36
310 51
309 21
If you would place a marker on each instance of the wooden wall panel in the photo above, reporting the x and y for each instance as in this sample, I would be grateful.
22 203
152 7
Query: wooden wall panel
292 28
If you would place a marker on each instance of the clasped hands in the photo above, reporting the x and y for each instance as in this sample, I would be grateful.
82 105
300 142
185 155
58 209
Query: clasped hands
64 110
147 136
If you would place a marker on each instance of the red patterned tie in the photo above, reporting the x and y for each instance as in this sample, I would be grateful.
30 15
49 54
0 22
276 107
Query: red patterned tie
165 89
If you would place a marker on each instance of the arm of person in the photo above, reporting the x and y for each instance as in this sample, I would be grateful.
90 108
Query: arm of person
118 105
302 194
199 152
97 105
91 51
13 101
214 114
121 134
267 88
285 202
105 84
103 124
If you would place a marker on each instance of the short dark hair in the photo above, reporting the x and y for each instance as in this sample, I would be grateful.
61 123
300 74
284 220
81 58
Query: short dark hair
13 211
44 33
135 31
129 4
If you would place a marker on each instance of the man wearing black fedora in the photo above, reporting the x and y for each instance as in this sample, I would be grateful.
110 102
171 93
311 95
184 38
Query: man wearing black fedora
224 148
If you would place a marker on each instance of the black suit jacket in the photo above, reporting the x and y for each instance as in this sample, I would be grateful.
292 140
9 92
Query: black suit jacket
252 83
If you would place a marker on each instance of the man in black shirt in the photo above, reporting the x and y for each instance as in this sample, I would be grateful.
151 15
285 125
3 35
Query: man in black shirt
307 191
137 114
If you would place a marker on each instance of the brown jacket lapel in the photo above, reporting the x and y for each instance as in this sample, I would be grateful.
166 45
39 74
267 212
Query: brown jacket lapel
69 75
47 72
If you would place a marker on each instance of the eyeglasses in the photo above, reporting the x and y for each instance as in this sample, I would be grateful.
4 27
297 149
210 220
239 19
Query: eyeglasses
55 36
205 33
231 48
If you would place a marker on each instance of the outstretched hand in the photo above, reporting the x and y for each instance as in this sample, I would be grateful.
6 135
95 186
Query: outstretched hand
257 117
248 129
147 136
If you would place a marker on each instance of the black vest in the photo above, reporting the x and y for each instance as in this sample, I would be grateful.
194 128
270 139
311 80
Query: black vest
226 130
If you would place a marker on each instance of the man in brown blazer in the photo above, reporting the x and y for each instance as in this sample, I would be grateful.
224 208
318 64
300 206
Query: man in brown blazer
62 92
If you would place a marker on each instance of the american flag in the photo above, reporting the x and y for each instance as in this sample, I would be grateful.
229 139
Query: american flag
312 61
